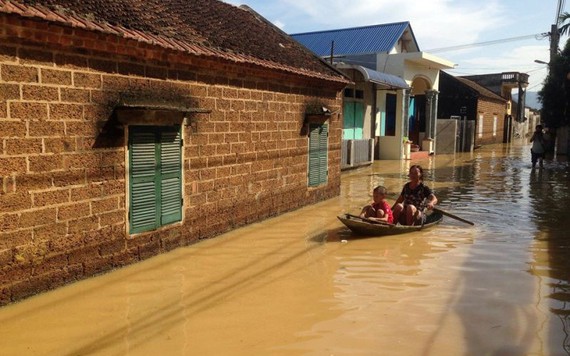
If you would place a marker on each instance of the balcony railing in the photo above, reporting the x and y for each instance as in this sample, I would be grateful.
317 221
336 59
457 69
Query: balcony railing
514 77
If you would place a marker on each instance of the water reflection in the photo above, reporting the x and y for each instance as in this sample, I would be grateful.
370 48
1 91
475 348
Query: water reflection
550 193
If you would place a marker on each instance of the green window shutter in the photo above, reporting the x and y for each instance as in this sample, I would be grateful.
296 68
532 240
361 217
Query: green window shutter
155 177
142 183
323 154
318 165
171 176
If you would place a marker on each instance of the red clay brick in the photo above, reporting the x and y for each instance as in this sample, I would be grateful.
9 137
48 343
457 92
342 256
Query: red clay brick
17 238
17 73
39 93
75 95
45 163
50 232
11 165
23 146
86 192
51 197
28 110
65 112
59 145
87 80
9 92
46 128
57 77
73 211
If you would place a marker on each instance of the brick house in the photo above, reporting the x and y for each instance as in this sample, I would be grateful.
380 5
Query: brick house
124 135
484 110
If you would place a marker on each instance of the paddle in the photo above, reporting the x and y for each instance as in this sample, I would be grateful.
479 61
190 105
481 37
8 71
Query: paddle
370 220
423 217
453 216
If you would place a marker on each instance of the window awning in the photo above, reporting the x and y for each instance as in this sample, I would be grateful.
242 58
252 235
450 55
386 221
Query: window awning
154 112
389 81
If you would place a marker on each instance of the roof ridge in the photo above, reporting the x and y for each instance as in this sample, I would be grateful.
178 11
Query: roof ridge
236 39
351 28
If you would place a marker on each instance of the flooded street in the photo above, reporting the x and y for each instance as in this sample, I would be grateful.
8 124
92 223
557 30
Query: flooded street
291 286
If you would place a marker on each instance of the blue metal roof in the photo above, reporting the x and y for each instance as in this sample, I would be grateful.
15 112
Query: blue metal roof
356 40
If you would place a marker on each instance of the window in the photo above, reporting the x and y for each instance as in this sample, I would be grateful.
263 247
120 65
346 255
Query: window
155 177
318 154
480 124
494 125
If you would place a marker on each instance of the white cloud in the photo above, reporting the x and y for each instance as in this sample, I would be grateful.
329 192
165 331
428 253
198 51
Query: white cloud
436 23
510 59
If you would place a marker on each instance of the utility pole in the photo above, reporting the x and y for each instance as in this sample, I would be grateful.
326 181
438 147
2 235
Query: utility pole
554 32
554 40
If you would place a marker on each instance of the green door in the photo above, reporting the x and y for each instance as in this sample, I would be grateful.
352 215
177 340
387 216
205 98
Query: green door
353 121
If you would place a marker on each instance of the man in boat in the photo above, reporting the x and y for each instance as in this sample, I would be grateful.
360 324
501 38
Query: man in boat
414 198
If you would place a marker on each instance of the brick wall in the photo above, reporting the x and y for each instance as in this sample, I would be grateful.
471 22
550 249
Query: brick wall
489 109
63 212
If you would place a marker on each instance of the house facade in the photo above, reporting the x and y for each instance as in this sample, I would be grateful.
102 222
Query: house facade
122 138
482 114
503 84
404 105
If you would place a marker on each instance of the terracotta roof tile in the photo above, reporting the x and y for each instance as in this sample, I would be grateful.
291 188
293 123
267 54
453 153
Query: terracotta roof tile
480 89
200 27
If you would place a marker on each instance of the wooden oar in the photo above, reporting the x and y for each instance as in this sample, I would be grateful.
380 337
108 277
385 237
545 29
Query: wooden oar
424 217
453 216
370 220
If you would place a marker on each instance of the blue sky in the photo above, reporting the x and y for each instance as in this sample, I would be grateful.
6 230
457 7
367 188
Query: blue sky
438 24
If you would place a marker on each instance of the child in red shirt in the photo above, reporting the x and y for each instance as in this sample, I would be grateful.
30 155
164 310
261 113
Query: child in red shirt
379 209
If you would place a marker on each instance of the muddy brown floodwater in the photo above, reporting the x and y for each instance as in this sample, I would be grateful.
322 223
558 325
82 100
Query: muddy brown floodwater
291 286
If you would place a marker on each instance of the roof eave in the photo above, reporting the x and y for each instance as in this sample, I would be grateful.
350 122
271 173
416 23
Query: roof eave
427 59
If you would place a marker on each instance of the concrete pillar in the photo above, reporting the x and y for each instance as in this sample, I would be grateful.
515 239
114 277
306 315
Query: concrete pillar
431 112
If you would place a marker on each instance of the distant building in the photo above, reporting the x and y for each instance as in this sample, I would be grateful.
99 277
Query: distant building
503 84
482 114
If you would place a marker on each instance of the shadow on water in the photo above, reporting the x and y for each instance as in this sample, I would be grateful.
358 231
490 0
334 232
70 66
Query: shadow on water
172 312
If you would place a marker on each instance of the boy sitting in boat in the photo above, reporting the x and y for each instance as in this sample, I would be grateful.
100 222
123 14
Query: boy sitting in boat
379 209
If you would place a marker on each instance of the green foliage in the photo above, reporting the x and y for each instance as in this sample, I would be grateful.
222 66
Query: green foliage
553 95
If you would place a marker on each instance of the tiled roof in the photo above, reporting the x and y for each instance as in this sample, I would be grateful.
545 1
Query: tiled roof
200 27
356 40
481 90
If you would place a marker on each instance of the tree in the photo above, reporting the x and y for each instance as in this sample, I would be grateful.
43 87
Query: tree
555 93
563 19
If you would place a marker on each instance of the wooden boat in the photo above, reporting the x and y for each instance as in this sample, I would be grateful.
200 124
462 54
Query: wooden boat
367 227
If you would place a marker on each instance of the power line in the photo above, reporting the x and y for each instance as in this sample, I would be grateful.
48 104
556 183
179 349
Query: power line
559 9
537 36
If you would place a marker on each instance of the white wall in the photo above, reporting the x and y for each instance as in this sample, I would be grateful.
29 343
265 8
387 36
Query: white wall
390 147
